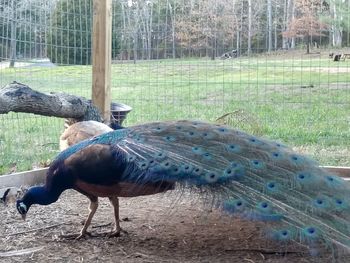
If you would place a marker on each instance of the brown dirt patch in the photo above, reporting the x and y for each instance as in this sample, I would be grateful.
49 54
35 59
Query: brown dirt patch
161 228
330 70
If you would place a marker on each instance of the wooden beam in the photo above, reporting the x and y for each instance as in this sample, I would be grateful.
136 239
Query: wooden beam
27 178
102 56
339 170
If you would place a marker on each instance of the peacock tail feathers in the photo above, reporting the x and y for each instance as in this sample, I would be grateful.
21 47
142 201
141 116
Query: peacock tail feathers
250 177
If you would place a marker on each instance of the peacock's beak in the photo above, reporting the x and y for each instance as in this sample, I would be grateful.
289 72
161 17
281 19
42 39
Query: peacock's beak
24 216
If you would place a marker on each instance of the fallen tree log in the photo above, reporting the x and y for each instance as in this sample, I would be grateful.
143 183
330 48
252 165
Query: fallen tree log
17 97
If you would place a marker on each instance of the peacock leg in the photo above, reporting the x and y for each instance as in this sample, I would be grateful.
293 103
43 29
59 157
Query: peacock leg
117 229
92 209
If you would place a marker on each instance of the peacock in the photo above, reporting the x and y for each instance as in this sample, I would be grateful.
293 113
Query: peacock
82 130
10 194
241 174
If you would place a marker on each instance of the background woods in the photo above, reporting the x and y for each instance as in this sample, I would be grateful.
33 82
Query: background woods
149 29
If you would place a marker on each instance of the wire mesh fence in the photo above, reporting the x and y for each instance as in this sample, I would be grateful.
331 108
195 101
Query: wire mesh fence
261 66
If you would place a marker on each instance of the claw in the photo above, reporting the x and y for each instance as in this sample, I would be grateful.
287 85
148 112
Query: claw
76 236
116 233
83 235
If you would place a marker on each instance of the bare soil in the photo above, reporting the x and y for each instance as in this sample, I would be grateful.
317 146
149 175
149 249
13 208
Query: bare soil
330 70
161 228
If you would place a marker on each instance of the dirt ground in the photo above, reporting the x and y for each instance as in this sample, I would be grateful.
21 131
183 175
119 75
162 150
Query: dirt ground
161 228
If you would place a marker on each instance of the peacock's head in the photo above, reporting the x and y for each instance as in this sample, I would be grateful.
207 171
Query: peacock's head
24 203
35 195
22 208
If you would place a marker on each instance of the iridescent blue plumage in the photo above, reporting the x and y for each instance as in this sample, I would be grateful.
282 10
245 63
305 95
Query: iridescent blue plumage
250 177
107 138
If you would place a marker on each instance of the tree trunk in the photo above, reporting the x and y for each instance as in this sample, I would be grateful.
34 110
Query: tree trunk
249 27
149 33
241 28
172 17
284 26
214 35
158 34
13 42
124 41
143 32
336 28
173 33
269 14
238 48
166 31
275 23
292 44
308 38
135 45
135 34
348 29
337 37
213 54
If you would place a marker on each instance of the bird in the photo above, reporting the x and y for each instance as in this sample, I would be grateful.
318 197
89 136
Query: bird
243 175
10 194
4 196
80 131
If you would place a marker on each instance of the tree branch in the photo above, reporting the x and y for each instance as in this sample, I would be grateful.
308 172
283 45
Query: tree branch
18 97
20 252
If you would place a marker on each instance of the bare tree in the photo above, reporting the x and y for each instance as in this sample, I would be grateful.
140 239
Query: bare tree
291 18
203 25
13 43
339 20
249 27
275 26
26 20
287 18
173 26
336 28
307 23
269 16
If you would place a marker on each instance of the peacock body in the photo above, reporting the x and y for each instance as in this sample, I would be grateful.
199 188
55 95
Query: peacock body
244 175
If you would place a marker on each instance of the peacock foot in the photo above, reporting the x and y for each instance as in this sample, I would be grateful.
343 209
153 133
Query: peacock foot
76 236
116 233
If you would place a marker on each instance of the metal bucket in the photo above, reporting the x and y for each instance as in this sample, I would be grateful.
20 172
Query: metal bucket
119 112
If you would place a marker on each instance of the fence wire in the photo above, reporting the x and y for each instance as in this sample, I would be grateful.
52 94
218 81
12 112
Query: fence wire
243 63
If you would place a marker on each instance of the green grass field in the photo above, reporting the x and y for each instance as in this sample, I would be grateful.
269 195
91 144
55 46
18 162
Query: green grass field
303 101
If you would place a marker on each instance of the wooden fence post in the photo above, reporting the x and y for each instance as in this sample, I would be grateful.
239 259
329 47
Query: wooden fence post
102 56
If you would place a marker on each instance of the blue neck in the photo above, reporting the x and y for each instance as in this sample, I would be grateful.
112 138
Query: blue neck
116 126
39 195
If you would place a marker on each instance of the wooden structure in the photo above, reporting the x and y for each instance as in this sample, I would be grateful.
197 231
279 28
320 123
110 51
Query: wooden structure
27 178
340 171
345 56
102 56
338 56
